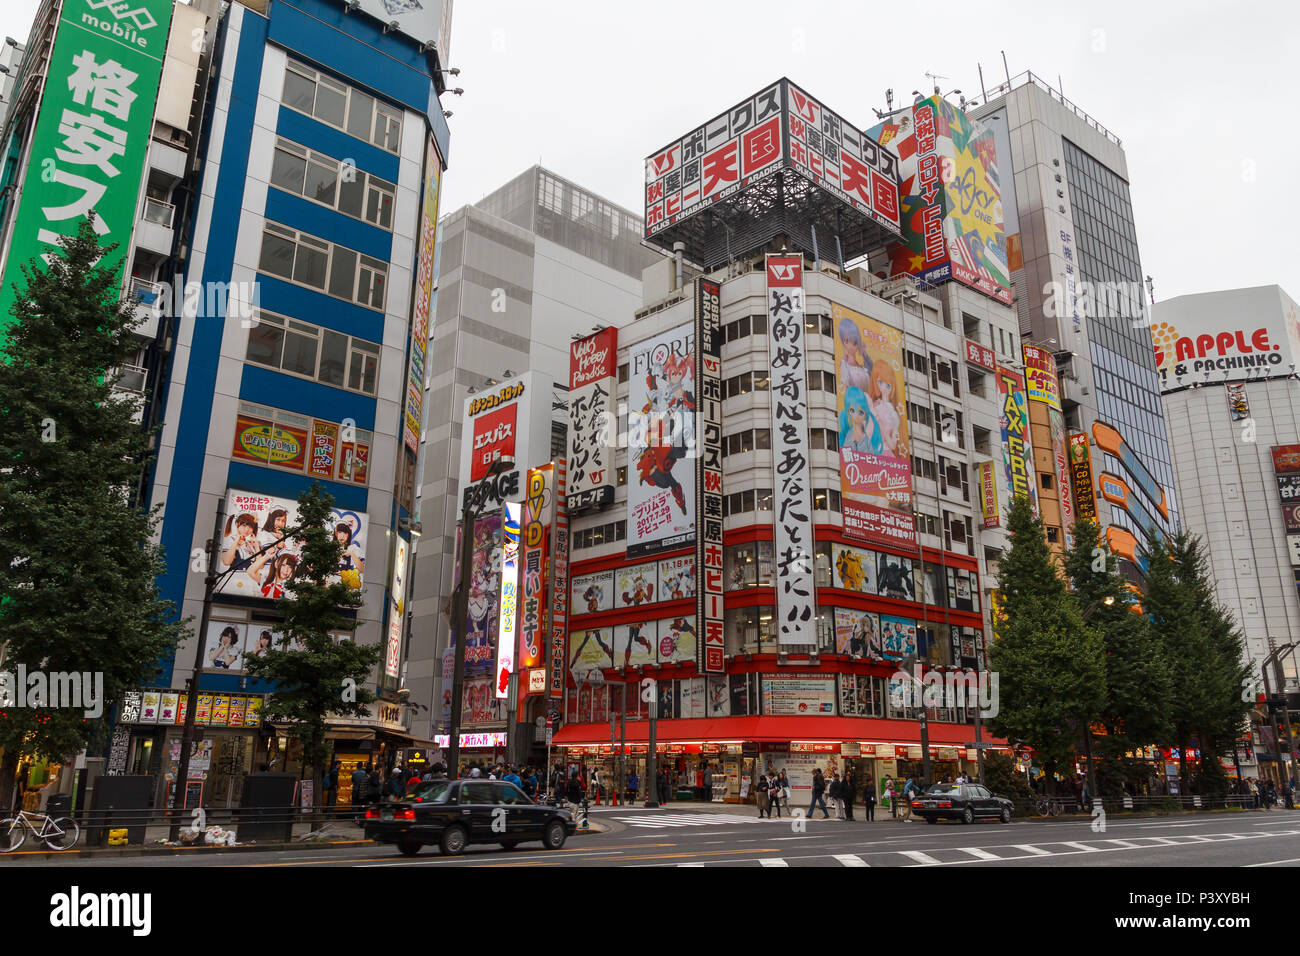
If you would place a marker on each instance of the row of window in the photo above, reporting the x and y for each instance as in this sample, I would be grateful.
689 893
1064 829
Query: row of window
324 266
601 534
338 185
740 502
342 106
309 351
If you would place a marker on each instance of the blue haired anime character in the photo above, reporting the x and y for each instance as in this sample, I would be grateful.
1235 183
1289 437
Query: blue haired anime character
859 430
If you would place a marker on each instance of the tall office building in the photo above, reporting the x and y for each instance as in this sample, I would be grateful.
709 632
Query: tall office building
1227 365
1074 259
274 188
522 272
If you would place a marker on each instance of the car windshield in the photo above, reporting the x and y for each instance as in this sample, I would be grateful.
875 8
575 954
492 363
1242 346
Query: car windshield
435 791
943 789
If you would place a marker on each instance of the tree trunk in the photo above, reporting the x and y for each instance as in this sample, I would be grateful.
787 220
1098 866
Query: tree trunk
8 771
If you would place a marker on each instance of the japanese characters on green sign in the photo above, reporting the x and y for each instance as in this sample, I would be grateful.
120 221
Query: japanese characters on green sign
92 134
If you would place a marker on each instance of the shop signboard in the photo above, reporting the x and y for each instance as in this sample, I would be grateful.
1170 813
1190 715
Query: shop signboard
593 384
1040 377
1061 457
951 197
661 435
989 495
509 421
1017 453
255 521
783 695
508 598
1081 483
90 141
796 613
708 473
539 516
875 463
593 592
422 304
558 655
396 609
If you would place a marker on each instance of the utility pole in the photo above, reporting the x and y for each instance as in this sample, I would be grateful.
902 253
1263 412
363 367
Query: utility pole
192 702
651 760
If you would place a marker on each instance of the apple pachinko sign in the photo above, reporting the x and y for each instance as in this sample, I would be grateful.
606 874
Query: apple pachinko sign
92 135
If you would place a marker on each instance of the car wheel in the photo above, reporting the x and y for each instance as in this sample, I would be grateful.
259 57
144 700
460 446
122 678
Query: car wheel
410 847
931 819
509 844
555 835
453 841
1006 815
968 815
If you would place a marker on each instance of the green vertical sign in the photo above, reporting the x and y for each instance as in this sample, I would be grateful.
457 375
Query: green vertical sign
92 135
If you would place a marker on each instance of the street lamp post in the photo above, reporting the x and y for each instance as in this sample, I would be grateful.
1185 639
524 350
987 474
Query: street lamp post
210 583
475 498
651 759
1108 601
1276 657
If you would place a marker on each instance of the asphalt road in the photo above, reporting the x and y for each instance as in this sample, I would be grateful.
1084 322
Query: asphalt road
701 838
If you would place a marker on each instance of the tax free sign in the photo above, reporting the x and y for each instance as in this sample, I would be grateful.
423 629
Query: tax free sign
92 134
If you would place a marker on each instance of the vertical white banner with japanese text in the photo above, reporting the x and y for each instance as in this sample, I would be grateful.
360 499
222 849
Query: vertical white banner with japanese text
795 597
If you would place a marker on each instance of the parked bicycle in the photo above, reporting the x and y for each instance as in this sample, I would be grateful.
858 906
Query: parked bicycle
1048 806
60 834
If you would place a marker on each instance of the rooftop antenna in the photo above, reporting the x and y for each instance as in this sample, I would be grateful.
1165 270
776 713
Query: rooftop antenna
1006 69
1151 290
935 78
984 94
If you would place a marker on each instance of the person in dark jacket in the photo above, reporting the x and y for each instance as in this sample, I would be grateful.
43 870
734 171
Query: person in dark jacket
848 793
760 795
360 784
869 798
374 786
665 787
818 788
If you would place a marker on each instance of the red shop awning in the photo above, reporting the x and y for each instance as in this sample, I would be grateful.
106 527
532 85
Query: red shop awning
734 729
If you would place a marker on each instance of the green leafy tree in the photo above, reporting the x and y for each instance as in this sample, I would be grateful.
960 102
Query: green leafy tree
1211 671
1050 663
1002 777
78 567
316 675
1137 682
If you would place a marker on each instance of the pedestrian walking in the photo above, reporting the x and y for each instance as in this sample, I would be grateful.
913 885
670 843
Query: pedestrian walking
784 781
834 792
665 787
910 789
775 792
849 794
360 781
760 795
818 788
891 797
869 798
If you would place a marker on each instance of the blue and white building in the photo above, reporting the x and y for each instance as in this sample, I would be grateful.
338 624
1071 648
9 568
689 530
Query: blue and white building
304 215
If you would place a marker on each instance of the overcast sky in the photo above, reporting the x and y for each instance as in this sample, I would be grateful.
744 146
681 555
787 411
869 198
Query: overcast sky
1198 92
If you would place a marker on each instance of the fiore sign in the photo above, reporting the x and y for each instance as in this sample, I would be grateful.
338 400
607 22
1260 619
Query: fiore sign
92 133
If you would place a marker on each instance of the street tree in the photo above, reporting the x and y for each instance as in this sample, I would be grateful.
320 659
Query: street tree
1206 655
1135 713
1051 672
78 565
317 670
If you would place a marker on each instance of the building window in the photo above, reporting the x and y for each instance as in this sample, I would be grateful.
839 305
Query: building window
310 351
338 185
324 266
622 373
918 414
923 468
748 565
341 106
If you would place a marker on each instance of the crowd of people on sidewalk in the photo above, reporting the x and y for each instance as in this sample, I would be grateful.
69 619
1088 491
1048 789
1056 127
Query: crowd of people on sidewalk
836 795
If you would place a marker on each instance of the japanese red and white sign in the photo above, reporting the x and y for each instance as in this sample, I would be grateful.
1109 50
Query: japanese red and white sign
791 468
708 474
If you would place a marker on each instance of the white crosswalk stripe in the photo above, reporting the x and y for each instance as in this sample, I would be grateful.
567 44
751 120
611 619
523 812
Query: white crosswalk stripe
979 854
851 859
660 820
918 856
1032 850
773 862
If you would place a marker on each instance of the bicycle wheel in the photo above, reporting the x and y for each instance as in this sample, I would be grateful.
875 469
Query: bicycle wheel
1044 808
1056 809
61 834
12 834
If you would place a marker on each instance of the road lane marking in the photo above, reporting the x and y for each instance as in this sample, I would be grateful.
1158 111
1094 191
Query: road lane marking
919 857
1079 846
851 859
978 853
773 862
1031 850
1274 862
